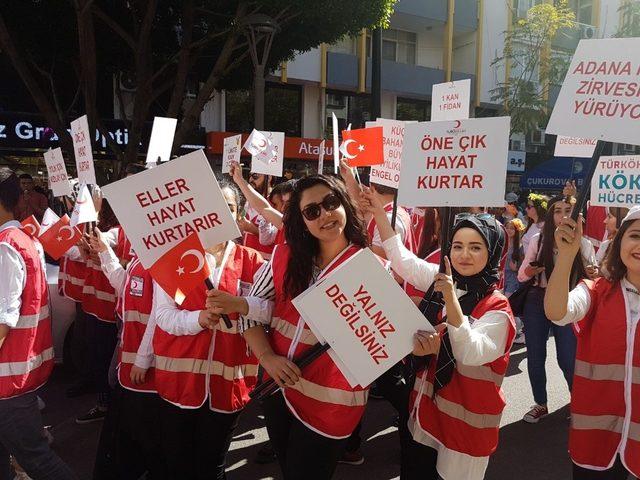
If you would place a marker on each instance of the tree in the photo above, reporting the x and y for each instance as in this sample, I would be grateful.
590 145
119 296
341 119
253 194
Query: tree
66 53
630 24
531 66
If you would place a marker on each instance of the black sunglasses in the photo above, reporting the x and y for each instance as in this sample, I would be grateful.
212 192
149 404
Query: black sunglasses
330 203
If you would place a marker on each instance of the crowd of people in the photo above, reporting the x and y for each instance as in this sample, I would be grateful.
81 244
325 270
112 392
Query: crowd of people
173 376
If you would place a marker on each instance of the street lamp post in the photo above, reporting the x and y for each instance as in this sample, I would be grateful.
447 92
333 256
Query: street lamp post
259 29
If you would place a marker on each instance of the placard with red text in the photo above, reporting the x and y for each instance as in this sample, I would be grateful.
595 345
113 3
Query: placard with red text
81 137
450 100
393 137
462 163
600 96
57 172
362 312
159 207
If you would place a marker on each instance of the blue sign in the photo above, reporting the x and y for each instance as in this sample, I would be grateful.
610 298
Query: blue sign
554 173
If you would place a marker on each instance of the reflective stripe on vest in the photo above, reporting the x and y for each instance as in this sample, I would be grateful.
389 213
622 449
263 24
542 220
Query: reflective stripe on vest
134 316
332 395
100 295
31 321
206 367
288 330
9 369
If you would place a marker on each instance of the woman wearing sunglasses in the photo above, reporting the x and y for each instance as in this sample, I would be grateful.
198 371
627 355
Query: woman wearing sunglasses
311 417
456 402
536 210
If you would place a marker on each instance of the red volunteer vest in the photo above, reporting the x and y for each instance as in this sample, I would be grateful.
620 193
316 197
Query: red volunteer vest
252 241
71 278
217 365
135 307
98 296
605 397
123 247
465 415
26 355
402 216
322 399
417 225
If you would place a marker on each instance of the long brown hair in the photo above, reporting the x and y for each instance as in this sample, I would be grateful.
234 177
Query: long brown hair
615 268
545 253
303 246
430 239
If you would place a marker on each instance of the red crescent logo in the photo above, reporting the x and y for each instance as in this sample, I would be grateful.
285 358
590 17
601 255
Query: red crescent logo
458 123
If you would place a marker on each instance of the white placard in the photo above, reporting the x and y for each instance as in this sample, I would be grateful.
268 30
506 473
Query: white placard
455 164
450 100
321 157
231 149
57 172
160 207
271 161
82 148
161 141
393 136
616 182
600 95
574 147
362 312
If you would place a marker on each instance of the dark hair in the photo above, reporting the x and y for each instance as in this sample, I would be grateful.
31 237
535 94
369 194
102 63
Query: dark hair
10 190
106 217
133 168
619 213
515 252
545 253
304 247
283 188
25 176
384 189
540 204
264 190
430 239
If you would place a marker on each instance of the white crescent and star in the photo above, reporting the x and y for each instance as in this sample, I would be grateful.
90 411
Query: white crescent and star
344 148
199 257
65 228
31 228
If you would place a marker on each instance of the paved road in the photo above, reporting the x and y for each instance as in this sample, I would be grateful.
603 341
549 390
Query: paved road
526 452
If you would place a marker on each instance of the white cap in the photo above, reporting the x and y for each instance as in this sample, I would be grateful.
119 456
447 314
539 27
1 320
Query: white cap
634 214
511 197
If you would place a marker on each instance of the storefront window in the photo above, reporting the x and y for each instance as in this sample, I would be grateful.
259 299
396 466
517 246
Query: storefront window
282 110
409 109
349 109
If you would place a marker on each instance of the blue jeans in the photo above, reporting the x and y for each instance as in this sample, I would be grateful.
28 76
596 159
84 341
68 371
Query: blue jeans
21 435
537 327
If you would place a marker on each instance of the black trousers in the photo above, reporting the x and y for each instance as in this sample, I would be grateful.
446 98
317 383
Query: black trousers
102 339
418 462
302 453
616 472
195 442
22 435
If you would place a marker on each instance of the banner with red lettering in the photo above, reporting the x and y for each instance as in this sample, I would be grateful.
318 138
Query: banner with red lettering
600 96
574 147
450 100
57 171
231 152
81 137
393 137
364 314
160 207
461 163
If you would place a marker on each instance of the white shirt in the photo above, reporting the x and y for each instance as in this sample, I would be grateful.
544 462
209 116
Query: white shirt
586 249
13 273
534 229
117 276
475 342
400 229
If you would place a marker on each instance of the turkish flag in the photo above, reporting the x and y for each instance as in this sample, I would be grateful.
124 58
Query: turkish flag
59 238
31 226
363 147
182 268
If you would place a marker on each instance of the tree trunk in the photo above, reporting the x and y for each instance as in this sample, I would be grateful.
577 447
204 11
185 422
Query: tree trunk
177 96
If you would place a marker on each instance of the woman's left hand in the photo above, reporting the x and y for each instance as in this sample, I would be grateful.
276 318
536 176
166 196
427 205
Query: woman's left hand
443 282
138 375
220 302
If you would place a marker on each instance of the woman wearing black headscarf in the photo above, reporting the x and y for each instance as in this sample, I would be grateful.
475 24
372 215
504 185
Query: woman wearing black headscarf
457 402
